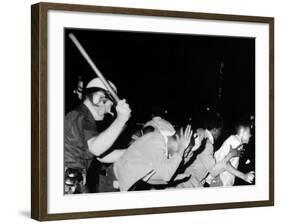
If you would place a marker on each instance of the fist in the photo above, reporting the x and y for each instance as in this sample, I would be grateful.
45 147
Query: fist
249 177
123 110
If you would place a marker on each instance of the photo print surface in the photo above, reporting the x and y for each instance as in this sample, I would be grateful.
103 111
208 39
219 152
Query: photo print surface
184 115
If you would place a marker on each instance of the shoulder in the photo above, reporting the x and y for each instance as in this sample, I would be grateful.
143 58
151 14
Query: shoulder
150 140
154 134
79 111
80 119
232 140
224 149
228 141
153 137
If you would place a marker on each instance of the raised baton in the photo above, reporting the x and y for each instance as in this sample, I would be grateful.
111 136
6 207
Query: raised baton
93 66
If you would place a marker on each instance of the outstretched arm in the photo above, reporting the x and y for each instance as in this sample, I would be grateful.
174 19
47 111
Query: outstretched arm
222 165
248 177
225 165
101 143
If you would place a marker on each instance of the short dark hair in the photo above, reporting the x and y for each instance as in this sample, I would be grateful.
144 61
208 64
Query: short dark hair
213 121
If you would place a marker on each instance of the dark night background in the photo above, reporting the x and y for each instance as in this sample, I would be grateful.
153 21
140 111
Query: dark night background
177 73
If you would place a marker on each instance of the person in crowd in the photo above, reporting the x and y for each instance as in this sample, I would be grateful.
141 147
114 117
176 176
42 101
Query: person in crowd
82 140
203 161
147 127
147 161
242 136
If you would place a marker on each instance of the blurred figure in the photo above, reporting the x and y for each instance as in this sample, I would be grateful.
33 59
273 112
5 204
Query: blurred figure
203 162
242 136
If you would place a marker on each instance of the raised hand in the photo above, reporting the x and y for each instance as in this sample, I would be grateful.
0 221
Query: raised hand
183 139
123 110
249 177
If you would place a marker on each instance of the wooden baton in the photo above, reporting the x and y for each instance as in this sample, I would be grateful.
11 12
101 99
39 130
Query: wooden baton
93 66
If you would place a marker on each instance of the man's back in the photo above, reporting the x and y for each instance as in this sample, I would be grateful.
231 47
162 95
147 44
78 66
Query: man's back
137 161
146 159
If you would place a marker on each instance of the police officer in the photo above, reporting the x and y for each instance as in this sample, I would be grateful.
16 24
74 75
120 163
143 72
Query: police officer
83 141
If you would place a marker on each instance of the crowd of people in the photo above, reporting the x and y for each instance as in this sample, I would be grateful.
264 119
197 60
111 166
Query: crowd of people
159 155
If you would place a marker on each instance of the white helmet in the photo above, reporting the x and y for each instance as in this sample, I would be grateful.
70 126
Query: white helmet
97 83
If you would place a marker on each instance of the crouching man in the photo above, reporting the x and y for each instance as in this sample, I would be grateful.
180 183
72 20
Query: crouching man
147 161
241 137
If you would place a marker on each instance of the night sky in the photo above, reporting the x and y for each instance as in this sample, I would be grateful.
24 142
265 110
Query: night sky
175 72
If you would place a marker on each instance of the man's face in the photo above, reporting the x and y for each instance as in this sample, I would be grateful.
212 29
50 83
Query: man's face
216 132
102 103
245 134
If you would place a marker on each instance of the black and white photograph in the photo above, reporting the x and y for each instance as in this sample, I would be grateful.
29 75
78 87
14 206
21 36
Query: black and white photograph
141 111
157 111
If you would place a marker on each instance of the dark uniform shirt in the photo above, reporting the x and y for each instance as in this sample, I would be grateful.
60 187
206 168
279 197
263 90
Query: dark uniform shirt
79 127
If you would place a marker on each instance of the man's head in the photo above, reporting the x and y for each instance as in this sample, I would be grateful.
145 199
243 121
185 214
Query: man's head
243 130
214 124
98 98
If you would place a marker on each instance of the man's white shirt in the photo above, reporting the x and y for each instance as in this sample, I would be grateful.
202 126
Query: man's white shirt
232 141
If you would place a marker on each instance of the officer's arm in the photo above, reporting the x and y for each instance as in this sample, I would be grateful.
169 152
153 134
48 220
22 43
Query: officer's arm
101 143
